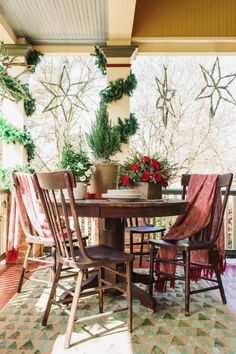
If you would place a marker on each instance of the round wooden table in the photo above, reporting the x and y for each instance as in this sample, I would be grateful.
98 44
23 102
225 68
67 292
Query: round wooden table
112 215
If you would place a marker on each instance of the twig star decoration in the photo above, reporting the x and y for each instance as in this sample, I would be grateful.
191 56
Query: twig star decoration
65 95
216 88
164 101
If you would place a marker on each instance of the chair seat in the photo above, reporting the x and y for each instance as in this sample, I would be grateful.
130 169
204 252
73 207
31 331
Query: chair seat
145 229
181 244
102 254
47 241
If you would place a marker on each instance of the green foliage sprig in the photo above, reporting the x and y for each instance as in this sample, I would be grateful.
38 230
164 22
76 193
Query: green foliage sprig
16 91
100 61
10 134
116 89
5 175
33 58
127 127
103 139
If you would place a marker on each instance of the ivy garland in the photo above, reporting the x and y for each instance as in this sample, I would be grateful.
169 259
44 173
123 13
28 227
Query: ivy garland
101 60
10 134
116 89
16 91
5 175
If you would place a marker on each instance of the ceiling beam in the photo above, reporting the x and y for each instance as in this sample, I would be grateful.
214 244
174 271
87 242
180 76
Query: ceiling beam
120 21
183 46
7 35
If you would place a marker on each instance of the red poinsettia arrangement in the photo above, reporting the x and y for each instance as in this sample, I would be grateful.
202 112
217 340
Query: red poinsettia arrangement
145 169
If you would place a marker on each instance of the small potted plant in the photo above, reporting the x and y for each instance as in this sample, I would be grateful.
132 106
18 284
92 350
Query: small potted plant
104 142
147 173
77 161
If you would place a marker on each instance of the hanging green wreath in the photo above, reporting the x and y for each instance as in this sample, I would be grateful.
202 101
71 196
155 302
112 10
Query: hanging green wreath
116 89
12 135
127 127
100 61
14 90
32 58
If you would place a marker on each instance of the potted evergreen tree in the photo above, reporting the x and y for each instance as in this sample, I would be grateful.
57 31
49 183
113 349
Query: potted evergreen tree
104 141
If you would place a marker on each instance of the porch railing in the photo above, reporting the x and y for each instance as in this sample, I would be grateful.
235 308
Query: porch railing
89 225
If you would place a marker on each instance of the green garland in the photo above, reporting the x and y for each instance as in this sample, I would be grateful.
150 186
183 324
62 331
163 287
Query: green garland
116 89
10 87
127 127
29 103
5 175
100 61
33 58
10 134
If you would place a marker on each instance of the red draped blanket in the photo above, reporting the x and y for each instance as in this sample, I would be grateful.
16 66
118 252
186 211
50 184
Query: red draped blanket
200 197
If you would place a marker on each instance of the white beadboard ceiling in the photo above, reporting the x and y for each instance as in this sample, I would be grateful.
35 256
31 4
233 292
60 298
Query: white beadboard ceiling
57 21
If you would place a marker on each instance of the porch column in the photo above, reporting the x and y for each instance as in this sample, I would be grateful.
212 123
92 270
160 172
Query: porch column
119 59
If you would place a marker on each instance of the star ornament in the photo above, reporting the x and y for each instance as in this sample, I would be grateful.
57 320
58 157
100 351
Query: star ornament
164 101
65 95
216 88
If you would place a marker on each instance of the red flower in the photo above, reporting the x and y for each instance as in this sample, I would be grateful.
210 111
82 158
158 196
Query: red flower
157 176
125 180
134 167
146 159
155 164
146 176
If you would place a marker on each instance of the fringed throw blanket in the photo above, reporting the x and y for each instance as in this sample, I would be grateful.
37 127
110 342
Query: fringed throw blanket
200 197
28 202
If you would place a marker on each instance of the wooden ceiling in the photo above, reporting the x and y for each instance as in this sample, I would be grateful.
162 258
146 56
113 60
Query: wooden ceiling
154 25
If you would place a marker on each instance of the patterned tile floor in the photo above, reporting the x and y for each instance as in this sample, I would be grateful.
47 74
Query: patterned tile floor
210 328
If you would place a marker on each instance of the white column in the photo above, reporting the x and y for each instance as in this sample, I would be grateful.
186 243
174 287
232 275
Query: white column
119 60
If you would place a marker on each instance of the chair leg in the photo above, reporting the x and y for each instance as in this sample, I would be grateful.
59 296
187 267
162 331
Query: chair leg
100 291
141 250
52 294
215 261
24 267
187 282
151 269
54 264
73 309
129 296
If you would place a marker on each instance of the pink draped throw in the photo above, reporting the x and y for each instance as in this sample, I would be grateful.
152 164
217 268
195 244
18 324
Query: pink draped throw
200 197
28 203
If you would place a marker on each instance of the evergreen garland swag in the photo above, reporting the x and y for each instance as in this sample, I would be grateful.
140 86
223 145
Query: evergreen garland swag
100 61
116 89
127 127
14 90
10 134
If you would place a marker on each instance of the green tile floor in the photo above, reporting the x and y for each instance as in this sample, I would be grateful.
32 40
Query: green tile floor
211 327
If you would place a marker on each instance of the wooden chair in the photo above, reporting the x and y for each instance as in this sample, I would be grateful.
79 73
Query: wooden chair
79 258
133 227
206 240
32 239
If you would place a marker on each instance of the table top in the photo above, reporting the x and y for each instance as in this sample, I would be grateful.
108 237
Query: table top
103 208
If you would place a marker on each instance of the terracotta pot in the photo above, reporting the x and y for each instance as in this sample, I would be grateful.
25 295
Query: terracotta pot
105 177
149 190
